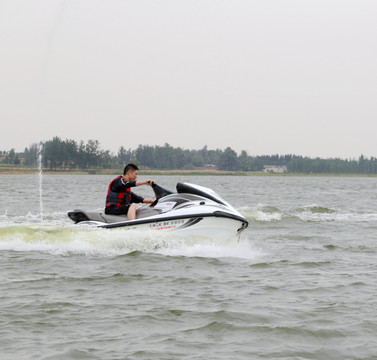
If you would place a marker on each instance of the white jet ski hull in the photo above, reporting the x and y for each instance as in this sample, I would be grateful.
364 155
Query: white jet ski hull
188 214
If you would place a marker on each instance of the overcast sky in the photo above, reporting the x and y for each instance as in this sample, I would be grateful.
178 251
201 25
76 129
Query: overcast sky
265 76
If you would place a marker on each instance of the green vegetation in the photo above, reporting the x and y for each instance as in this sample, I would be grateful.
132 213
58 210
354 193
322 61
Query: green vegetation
68 155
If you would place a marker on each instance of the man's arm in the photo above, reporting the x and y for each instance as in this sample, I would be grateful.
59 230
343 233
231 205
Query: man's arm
136 198
121 185
147 182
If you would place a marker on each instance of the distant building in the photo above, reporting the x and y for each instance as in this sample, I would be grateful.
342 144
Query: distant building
275 169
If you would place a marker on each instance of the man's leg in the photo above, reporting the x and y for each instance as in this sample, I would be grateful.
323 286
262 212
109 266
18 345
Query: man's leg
131 215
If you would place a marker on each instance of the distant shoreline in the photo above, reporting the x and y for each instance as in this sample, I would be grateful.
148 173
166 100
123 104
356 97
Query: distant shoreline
5 170
33 170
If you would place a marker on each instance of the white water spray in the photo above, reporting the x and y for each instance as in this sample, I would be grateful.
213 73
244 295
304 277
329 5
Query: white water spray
40 178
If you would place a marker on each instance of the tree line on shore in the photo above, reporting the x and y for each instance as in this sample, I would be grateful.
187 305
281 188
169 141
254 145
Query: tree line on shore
58 154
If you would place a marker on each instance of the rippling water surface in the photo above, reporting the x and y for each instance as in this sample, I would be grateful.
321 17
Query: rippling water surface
300 284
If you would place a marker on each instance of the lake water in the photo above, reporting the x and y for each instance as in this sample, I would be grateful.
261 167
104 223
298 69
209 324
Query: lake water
300 283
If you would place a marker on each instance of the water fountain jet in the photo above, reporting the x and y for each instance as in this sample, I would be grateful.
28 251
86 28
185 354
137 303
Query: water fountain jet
40 178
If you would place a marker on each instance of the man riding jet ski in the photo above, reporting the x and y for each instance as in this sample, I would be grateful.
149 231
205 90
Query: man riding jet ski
193 210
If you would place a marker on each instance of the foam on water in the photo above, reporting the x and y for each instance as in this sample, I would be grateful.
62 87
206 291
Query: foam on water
310 213
71 240
262 213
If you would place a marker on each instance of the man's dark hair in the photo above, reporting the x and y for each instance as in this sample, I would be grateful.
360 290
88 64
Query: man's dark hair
129 167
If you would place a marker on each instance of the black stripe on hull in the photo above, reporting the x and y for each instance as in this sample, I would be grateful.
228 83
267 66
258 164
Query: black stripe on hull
191 222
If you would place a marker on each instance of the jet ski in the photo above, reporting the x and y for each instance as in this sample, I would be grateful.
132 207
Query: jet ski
192 210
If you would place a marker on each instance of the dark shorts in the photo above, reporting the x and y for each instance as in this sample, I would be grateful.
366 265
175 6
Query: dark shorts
117 210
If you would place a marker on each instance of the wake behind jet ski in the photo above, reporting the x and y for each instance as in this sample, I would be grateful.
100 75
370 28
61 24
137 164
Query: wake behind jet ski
192 210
